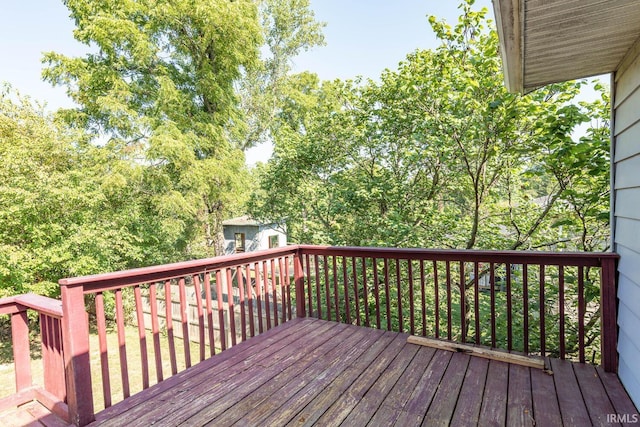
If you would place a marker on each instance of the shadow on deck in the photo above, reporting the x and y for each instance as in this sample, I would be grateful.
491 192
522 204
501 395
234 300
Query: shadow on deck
315 372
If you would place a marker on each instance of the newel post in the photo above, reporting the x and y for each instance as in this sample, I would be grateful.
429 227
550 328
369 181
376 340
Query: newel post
298 275
75 336
608 323
21 351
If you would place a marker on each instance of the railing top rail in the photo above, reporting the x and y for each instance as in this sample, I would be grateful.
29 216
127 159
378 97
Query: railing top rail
470 255
14 304
108 281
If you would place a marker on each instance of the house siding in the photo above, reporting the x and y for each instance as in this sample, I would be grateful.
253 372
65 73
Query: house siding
626 214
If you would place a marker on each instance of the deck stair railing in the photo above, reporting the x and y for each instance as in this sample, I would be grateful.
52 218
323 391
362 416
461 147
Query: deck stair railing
162 319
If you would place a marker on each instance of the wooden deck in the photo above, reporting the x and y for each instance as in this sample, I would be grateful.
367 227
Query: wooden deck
32 414
314 372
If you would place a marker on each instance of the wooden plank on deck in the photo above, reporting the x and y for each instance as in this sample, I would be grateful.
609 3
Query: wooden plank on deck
470 401
572 406
374 397
422 395
392 406
213 393
519 402
494 402
441 412
545 401
338 387
617 394
593 392
329 373
278 392
345 404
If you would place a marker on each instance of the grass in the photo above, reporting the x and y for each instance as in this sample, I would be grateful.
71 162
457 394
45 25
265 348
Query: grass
134 365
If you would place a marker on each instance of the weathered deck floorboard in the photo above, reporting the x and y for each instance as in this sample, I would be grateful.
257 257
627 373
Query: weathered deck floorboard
310 371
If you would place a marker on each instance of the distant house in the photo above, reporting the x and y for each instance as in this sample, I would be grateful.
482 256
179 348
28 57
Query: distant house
244 234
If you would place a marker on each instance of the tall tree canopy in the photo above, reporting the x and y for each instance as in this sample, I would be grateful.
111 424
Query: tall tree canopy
171 83
438 154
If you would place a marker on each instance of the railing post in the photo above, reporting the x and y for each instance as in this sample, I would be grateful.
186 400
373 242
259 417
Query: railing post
21 352
75 336
298 275
608 315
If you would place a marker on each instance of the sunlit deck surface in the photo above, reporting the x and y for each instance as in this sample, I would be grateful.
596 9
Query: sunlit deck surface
32 414
315 372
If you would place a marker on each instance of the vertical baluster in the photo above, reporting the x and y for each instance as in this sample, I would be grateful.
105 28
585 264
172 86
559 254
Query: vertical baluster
209 303
283 295
423 302
509 308
102 343
365 293
542 313
463 305
289 267
200 310
223 333
336 301
256 269
376 289
436 298
252 327
155 331
243 314
309 290
399 288
581 313
142 337
184 320
345 285
21 351
476 299
356 297
318 298
265 282
169 317
55 365
525 305
122 344
274 286
45 346
411 308
492 283
327 291
231 306
387 293
448 276
562 309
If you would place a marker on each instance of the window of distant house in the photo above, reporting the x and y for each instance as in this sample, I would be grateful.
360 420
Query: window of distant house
273 241
239 238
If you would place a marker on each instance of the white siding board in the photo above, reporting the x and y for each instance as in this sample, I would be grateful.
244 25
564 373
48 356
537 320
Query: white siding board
628 321
628 173
628 234
626 372
627 113
626 187
629 266
628 143
628 203
628 82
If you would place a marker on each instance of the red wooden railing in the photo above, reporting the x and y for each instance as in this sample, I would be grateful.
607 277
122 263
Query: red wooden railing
52 391
232 298
522 301
513 300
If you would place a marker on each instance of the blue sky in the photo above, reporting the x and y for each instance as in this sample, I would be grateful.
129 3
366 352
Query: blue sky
363 38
